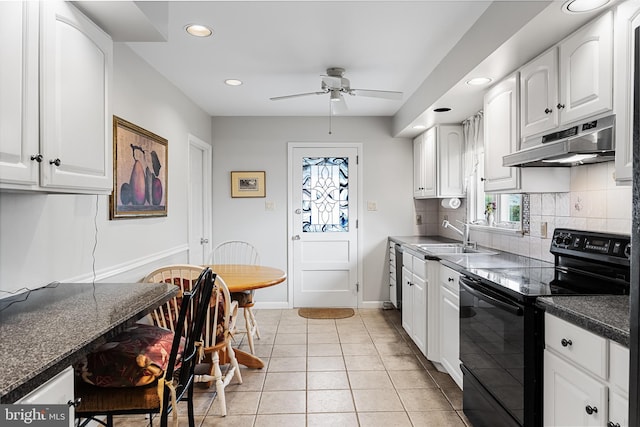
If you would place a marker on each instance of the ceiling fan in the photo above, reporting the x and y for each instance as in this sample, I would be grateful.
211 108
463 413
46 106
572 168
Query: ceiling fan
336 85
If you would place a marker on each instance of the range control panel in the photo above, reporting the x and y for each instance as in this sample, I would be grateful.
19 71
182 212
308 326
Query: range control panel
584 242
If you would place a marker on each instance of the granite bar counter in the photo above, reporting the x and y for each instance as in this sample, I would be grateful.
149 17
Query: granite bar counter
47 329
604 315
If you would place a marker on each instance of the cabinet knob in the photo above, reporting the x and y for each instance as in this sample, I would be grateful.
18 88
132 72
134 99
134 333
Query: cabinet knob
56 162
482 179
611 424
37 158
450 279
548 110
565 342
560 106
409 283
75 402
591 409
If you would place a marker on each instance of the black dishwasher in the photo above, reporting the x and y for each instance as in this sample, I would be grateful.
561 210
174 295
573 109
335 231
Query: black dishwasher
398 249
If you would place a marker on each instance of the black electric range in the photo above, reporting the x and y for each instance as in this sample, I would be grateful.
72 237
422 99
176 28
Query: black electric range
502 331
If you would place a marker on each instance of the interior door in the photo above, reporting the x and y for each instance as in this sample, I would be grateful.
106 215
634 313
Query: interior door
199 201
324 225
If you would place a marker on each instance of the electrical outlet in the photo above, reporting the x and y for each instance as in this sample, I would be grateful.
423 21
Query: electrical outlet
446 217
269 206
418 219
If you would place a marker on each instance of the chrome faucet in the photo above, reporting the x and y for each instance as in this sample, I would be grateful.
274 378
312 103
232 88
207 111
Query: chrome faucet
464 234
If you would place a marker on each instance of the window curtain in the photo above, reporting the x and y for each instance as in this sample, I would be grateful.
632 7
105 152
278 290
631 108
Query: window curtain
474 143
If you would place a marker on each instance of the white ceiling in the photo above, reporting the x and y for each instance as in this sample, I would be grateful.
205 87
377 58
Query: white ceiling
283 47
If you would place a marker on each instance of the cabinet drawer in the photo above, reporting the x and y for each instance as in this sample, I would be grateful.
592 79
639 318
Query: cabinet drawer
619 367
586 349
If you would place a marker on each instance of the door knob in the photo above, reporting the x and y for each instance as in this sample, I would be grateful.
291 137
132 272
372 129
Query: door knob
296 237
298 211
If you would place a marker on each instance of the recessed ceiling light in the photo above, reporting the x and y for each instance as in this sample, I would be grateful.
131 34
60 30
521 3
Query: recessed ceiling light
477 81
198 30
233 82
442 109
418 127
580 6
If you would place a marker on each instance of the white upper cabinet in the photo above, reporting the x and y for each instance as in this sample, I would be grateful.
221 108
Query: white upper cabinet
424 167
539 94
501 135
571 81
438 156
72 152
19 92
627 21
450 161
586 71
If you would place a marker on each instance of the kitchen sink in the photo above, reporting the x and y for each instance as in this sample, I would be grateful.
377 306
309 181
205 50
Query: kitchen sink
452 249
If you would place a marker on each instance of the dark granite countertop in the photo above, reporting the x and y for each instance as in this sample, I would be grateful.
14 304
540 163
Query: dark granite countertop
48 329
604 315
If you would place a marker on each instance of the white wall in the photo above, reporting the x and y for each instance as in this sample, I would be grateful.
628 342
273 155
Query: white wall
260 143
45 238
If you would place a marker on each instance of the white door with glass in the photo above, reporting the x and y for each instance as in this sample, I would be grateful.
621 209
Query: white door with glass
323 195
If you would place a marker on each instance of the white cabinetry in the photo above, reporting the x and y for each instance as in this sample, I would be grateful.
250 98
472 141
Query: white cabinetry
414 299
450 323
539 94
450 163
393 286
586 71
585 377
501 135
424 166
627 20
56 391
438 156
569 82
71 150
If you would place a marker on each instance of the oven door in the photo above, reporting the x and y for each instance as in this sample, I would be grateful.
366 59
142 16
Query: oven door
492 354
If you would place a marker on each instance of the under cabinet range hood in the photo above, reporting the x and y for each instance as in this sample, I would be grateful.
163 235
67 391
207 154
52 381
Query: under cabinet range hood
586 142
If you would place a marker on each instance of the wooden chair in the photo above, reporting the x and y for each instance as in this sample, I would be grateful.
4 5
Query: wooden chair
174 386
239 252
219 323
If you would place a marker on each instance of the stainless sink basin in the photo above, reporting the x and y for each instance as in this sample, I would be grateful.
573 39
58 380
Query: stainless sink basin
452 249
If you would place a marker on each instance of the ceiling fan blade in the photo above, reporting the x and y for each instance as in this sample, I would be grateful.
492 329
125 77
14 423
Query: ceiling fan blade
339 107
386 94
277 98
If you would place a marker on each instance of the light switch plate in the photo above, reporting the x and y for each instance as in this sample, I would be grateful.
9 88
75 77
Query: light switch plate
269 206
372 206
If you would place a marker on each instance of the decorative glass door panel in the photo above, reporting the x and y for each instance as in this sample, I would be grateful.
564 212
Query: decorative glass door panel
325 194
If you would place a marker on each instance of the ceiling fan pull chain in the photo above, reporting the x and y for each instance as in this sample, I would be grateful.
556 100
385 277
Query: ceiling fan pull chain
330 116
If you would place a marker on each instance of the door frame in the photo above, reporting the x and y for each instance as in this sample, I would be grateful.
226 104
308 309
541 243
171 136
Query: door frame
291 217
206 149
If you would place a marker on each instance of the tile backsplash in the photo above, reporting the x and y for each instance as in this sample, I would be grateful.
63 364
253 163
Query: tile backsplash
594 203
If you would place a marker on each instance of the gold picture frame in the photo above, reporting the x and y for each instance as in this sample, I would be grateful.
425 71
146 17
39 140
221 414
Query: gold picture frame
248 184
140 177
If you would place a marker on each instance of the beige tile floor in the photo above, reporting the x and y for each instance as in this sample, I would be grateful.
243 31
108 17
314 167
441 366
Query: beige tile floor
360 371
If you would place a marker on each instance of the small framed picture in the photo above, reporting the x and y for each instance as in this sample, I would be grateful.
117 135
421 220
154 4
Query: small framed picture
248 184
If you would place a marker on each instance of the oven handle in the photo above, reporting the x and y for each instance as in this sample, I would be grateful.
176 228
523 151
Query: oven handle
504 305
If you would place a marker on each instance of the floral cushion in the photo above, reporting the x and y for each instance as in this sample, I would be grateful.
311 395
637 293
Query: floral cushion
136 357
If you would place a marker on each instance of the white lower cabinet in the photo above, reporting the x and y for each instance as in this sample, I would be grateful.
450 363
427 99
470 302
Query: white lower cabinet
450 323
414 299
57 391
585 377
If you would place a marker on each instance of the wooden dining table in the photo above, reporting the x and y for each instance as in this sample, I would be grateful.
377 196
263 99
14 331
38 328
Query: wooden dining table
243 278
